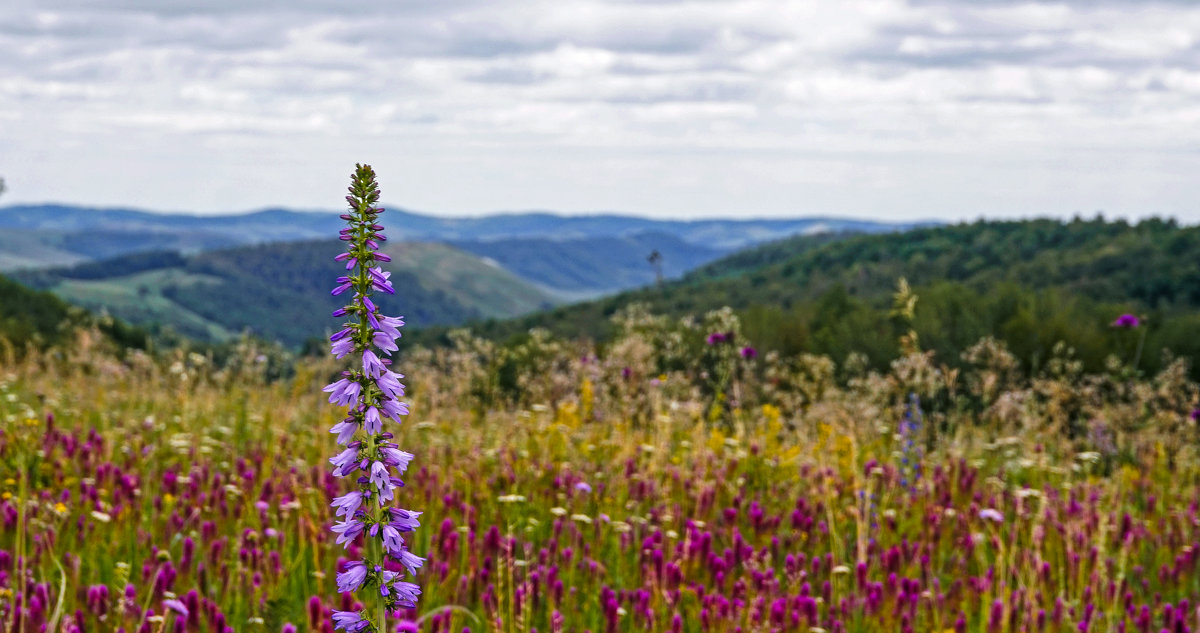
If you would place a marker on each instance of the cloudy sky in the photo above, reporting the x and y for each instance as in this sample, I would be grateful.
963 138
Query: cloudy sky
867 108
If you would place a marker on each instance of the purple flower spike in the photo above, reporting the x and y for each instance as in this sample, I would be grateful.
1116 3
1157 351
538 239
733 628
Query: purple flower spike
371 392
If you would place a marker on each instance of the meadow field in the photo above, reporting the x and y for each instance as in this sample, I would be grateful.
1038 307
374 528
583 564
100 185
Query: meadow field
673 480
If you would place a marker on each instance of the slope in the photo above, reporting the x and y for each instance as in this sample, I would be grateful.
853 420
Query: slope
588 267
39 319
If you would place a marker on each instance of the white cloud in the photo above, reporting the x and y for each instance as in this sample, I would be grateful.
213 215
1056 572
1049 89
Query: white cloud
862 107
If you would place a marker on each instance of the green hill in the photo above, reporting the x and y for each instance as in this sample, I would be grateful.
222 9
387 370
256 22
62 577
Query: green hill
281 291
40 319
1032 283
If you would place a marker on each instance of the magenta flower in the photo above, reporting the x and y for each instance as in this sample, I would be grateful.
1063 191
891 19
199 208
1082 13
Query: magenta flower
1127 321
749 352
716 338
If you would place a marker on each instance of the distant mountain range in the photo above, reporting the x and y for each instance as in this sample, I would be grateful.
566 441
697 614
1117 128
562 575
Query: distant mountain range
176 269
201 232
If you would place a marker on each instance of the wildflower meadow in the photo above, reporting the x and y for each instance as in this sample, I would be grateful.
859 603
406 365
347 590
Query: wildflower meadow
673 478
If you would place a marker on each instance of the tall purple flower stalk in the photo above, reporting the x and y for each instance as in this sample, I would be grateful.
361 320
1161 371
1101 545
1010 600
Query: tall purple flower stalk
372 392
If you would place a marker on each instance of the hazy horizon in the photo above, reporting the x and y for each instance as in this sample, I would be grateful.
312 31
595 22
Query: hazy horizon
887 110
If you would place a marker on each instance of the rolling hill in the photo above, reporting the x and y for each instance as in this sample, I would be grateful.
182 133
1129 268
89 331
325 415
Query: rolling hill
281 291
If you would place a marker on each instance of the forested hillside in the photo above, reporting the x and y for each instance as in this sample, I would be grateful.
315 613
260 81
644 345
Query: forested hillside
1031 283
32 318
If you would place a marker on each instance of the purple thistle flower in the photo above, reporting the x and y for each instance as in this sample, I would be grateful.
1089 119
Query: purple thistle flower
1195 415
715 338
749 352
1127 321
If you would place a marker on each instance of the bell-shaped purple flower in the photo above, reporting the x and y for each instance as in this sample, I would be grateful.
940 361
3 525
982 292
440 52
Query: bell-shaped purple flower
411 561
348 503
350 621
347 531
372 366
380 477
345 430
404 520
344 462
352 577
389 384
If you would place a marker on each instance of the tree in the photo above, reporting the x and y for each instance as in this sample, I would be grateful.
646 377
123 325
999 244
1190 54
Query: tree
655 260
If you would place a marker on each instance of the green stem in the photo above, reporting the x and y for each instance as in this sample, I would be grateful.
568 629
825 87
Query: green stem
376 549
1137 356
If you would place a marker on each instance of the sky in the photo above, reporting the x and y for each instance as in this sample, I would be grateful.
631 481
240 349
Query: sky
889 109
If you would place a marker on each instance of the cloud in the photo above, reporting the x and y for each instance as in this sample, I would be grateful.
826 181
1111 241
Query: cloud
862 107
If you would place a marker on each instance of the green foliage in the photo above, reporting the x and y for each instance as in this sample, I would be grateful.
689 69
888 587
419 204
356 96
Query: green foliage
38 319
29 316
